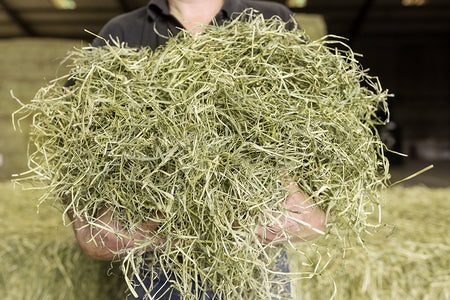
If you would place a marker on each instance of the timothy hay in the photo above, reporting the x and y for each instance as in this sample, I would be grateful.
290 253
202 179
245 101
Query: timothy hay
198 135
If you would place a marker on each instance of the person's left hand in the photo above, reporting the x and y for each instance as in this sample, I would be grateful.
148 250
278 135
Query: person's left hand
303 220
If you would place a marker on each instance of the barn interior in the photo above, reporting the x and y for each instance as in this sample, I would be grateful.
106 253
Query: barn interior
404 42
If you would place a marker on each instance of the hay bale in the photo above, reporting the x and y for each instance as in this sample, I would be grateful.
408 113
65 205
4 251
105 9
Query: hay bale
407 259
198 134
40 258
27 64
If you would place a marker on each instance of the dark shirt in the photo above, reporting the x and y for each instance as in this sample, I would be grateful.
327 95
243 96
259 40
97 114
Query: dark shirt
153 24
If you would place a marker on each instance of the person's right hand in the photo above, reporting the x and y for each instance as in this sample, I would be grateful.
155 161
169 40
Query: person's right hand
107 238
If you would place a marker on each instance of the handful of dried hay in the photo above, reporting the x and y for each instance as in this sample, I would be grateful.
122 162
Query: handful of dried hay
197 134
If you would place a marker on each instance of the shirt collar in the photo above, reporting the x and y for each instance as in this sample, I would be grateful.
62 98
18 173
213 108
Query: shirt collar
156 7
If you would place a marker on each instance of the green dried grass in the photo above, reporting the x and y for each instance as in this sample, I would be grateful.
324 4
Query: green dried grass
197 135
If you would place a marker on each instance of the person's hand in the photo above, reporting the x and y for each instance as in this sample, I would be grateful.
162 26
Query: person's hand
107 238
303 220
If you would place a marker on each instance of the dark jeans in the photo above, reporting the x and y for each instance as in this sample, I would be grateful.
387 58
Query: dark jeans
161 288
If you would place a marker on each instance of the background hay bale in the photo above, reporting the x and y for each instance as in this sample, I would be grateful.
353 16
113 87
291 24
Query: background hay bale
26 65
313 24
407 259
40 258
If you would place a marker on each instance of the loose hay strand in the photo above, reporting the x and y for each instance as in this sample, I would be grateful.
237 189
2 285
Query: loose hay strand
196 134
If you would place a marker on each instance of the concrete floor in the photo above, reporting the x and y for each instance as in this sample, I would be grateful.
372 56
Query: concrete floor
437 177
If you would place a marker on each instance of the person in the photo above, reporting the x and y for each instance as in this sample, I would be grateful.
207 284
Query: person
151 26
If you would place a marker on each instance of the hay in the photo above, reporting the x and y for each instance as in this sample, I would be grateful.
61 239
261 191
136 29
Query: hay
407 259
40 258
197 134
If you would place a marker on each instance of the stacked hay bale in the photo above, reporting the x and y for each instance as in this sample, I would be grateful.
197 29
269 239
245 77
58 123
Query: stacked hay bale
199 136
27 64
40 258
408 258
